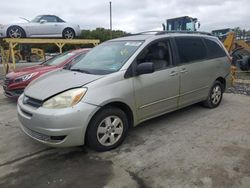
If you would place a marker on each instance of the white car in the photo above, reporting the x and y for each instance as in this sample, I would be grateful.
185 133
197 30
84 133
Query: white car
42 26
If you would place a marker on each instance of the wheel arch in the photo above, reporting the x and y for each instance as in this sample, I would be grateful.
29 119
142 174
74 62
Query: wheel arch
24 32
68 27
124 107
222 81
121 105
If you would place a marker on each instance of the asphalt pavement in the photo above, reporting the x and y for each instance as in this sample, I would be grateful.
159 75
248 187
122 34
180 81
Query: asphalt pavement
192 147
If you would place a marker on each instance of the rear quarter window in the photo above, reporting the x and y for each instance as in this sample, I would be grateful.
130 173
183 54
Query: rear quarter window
214 49
191 49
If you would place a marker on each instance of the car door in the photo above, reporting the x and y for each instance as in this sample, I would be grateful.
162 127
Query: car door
47 25
157 92
194 70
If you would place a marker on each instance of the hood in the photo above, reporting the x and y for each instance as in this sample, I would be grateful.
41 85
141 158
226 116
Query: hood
56 82
29 70
22 24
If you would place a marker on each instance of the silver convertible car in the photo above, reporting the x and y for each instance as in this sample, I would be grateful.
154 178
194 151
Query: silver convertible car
41 26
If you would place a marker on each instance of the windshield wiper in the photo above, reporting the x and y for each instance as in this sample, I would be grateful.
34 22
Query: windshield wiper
80 70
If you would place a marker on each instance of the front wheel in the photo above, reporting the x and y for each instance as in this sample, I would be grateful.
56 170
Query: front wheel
68 33
108 129
15 32
215 96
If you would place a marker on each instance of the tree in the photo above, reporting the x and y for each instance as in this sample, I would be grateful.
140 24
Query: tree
102 34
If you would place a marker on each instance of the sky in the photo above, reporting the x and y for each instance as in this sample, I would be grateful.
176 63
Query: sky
132 15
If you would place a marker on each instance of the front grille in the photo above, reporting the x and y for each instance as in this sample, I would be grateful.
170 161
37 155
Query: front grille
26 113
13 93
37 135
43 137
6 81
32 102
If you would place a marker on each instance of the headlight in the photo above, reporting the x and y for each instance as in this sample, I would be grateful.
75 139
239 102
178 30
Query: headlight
66 99
25 77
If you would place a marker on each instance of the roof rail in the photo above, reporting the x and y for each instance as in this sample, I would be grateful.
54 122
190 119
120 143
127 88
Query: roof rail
166 32
143 33
184 32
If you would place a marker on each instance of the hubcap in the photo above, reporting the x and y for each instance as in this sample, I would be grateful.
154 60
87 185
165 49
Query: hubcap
216 95
15 33
110 130
69 34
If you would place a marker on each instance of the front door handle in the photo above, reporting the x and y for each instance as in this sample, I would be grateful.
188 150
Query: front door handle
173 73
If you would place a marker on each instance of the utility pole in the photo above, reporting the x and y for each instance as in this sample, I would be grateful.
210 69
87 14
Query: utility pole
110 18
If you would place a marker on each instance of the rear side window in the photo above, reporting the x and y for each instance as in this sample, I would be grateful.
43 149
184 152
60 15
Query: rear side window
191 49
214 49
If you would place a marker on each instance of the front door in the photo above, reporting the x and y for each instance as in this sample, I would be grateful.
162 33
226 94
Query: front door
50 26
158 92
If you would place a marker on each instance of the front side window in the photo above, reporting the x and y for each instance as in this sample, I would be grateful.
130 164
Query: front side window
49 18
108 57
191 49
157 53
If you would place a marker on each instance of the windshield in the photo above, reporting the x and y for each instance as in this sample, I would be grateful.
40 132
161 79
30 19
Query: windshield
59 58
36 19
107 58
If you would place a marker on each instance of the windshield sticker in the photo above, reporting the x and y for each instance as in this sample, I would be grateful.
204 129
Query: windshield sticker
133 44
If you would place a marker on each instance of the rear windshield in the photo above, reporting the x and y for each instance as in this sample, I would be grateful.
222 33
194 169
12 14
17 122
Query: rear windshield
59 58
108 57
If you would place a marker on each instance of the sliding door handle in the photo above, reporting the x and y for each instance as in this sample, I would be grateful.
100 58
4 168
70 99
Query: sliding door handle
173 73
183 70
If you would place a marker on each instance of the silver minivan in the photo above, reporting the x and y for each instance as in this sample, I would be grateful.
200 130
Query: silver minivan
120 84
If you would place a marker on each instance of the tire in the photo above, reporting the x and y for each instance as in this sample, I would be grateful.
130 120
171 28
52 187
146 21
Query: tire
102 134
242 59
68 33
15 32
34 58
215 96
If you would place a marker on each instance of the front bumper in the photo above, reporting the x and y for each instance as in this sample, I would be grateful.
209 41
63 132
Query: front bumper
3 33
15 93
56 127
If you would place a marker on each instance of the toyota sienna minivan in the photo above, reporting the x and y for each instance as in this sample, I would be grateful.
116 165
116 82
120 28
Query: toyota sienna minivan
120 84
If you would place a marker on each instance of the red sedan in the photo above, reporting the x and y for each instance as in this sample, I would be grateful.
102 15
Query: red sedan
16 81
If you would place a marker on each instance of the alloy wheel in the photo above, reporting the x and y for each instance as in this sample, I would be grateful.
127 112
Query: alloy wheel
15 32
69 34
110 130
216 95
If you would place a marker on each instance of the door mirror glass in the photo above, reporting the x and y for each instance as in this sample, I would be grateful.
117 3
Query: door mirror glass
42 21
145 68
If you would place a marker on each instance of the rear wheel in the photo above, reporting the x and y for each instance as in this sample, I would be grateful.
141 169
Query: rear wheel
108 129
68 33
215 95
15 32
34 58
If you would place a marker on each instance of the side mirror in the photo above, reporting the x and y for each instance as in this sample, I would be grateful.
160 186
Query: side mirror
145 68
42 21
67 66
